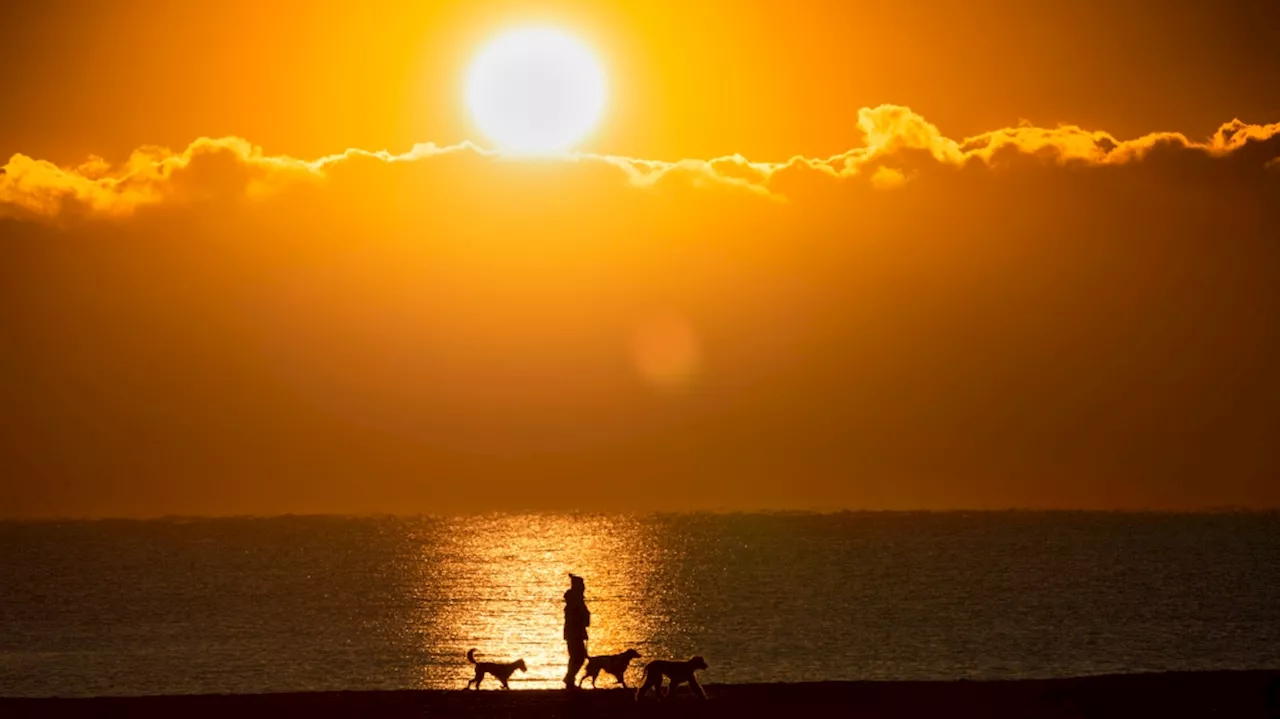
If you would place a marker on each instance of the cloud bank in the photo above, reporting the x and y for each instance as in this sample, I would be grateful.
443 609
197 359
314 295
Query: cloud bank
1032 317
898 144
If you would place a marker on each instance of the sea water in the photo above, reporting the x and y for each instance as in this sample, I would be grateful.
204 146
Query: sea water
323 603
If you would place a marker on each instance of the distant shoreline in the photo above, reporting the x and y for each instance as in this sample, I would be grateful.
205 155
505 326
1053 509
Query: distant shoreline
340 516
1240 694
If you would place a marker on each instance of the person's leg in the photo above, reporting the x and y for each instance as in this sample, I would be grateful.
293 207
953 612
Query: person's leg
577 656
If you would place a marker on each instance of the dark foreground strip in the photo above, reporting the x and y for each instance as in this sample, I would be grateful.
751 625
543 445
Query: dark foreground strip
1242 695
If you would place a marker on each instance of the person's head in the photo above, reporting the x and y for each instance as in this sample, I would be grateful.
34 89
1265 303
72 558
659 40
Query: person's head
576 582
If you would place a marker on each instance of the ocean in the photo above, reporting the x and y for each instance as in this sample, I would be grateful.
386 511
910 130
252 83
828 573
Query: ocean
90 608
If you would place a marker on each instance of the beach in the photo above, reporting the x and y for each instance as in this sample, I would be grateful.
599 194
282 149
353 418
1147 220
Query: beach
1240 694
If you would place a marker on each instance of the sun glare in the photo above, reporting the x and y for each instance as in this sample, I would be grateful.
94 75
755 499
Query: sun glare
536 90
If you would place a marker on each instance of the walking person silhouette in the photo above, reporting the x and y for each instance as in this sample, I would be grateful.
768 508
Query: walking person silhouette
576 620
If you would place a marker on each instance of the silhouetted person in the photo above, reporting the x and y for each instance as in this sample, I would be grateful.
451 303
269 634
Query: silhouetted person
576 620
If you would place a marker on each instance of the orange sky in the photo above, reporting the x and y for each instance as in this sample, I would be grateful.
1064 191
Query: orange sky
696 79
980 254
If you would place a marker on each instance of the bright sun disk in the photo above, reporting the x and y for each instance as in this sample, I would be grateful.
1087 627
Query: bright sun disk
535 90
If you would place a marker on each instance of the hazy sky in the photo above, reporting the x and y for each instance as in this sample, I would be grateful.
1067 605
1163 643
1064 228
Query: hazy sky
926 255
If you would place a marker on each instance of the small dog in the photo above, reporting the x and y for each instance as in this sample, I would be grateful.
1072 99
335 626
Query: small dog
678 672
503 672
613 664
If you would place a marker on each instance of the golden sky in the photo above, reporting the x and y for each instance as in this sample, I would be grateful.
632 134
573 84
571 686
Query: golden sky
256 258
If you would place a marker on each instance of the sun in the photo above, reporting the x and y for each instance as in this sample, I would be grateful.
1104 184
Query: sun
536 90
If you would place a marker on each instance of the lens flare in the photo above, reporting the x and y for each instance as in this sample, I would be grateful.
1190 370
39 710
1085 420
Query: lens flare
666 350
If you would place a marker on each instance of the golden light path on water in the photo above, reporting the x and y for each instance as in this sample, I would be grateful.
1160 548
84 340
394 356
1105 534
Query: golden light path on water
496 584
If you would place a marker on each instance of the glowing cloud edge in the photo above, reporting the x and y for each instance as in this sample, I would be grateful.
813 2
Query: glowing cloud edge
38 189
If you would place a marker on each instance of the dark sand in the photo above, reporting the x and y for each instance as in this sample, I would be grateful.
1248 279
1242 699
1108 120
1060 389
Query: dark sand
1160 696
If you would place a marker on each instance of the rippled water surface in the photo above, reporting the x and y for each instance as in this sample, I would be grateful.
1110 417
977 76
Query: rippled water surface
304 603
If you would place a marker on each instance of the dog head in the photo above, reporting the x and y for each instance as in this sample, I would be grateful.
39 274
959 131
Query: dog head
631 654
520 665
698 663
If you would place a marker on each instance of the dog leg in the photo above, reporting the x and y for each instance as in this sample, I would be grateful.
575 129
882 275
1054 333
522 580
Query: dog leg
696 687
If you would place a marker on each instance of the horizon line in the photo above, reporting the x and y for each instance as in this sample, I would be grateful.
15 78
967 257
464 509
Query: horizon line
181 517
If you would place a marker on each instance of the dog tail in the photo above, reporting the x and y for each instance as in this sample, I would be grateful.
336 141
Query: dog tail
471 656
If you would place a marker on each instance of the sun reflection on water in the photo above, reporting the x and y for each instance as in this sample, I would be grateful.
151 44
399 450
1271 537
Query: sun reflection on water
495 583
